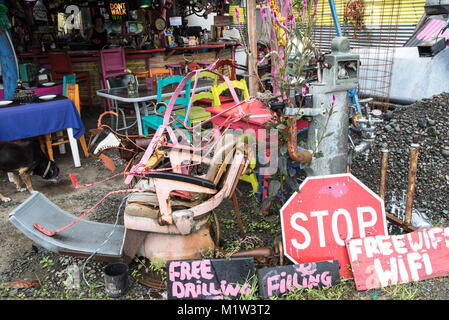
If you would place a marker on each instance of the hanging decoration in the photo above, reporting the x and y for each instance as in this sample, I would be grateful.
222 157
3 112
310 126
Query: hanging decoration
354 13
40 12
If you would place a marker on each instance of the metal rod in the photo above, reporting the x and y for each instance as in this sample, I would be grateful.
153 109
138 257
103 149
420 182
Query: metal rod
383 173
294 153
237 213
400 223
335 17
411 181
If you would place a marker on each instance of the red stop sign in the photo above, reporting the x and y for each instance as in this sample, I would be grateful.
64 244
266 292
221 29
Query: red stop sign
325 212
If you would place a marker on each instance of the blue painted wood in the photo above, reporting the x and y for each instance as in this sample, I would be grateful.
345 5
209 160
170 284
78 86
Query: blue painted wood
10 73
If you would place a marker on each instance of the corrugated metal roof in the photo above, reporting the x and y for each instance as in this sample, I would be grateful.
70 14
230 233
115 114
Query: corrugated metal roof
386 23
374 36
410 11
428 30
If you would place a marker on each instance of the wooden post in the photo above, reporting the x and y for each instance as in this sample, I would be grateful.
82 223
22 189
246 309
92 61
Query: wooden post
383 173
252 42
411 181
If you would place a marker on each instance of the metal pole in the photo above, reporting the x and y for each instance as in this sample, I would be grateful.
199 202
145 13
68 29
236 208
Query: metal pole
335 17
411 180
383 172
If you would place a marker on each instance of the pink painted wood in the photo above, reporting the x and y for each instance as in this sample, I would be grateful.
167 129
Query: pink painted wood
165 127
379 261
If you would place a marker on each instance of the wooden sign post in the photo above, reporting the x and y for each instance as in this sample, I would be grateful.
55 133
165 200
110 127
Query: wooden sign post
279 280
210 278
380 261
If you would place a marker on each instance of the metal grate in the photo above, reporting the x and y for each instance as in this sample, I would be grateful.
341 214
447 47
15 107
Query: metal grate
384 26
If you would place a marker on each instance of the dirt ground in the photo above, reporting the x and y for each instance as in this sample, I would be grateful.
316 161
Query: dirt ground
20 260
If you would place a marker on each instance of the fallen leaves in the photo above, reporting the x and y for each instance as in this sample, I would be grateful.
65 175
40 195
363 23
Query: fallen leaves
21 284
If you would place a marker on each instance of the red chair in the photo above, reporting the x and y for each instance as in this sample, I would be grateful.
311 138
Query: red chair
220 67
61 65
113 63
229 65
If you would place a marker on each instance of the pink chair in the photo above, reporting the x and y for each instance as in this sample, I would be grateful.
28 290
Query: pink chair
113 63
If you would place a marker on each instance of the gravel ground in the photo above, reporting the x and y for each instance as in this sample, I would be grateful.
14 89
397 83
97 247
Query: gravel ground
429 121
20 260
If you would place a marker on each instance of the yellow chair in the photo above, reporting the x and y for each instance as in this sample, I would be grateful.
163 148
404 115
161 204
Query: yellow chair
249 176
237 84
72 92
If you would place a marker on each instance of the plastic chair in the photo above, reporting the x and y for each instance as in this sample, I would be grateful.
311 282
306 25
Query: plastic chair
113 63
61 65
218 90
72 92
154 121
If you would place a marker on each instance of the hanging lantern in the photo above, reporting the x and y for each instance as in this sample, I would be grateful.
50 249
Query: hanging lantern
144 3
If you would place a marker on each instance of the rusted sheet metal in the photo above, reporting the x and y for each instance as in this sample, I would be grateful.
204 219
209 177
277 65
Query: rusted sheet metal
178 247
380 261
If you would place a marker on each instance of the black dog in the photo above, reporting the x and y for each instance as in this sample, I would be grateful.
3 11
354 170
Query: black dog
24 159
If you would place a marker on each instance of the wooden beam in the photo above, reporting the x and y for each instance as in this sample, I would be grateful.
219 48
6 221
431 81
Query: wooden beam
252 42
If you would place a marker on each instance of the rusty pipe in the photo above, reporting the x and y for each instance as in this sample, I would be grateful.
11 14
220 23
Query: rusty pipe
255 253
383 173
295 154
411 181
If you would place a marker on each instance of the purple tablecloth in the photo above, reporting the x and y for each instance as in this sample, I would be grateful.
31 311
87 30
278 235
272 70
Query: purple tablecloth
31 120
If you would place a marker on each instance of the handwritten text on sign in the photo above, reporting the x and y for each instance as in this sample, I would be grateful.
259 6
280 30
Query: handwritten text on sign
326 211
279 280
210 278
380 261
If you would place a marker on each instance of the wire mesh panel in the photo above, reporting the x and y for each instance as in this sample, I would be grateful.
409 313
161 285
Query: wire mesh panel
375 28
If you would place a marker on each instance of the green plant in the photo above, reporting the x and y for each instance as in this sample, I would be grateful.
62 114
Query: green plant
290 47
155 265
46 262
401 291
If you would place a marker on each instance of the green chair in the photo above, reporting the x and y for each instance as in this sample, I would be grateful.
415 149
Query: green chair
154 121
197 113
69 79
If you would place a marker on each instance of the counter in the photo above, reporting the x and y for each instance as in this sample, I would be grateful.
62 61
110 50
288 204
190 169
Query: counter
136 60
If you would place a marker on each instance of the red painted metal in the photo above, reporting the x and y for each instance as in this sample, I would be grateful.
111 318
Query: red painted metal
324 213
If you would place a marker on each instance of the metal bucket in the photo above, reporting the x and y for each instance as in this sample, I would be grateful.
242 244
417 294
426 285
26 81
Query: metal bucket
116 279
